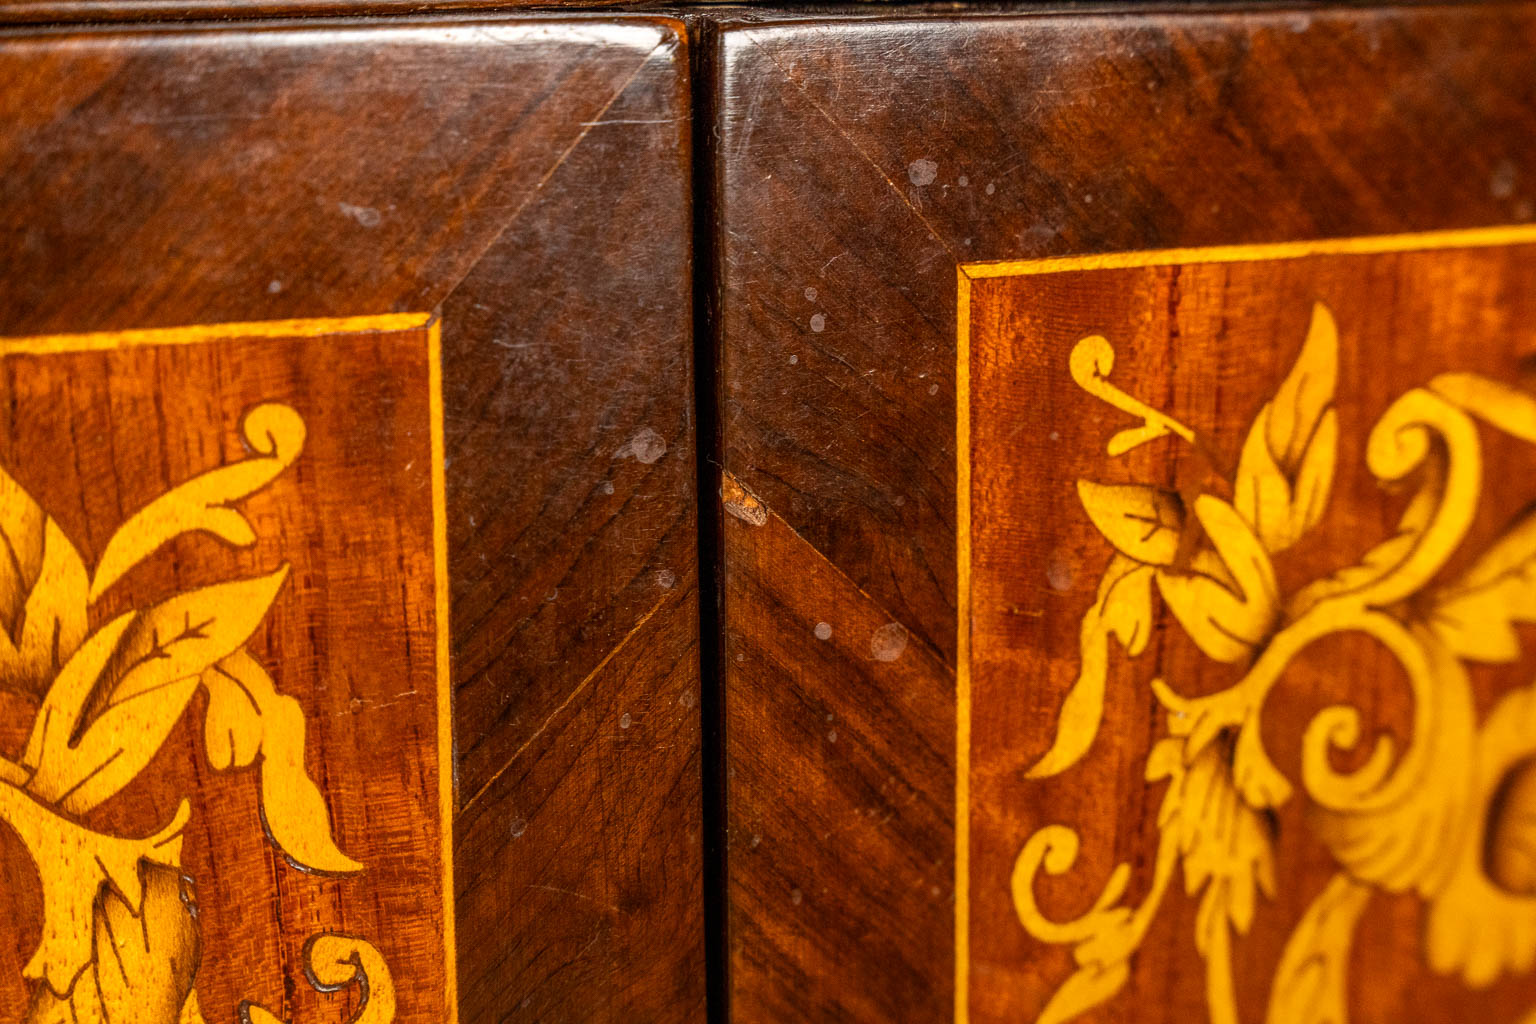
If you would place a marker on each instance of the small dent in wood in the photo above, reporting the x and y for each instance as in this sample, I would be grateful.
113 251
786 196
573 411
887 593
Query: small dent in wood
741 504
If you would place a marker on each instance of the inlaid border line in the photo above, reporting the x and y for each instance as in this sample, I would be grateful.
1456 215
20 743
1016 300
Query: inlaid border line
98 341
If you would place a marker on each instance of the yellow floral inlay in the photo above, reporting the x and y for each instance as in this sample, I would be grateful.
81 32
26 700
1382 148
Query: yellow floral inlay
1448 819
119 940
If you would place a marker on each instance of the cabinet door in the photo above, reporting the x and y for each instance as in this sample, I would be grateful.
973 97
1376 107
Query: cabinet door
1127 449
349 602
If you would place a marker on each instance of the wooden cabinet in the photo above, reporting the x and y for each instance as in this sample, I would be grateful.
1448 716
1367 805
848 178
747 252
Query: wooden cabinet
348 369
1125 445
1100 587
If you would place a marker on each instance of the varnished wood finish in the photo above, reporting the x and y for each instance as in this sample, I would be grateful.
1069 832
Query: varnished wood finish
525 180
858 164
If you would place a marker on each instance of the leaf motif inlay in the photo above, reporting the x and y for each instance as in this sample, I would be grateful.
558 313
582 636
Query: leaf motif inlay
1449 818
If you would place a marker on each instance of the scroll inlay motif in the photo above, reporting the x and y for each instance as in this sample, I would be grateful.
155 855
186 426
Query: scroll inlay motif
1229 545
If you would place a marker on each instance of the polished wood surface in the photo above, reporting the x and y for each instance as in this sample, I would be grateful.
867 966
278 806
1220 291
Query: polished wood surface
859 164
911 577
524 183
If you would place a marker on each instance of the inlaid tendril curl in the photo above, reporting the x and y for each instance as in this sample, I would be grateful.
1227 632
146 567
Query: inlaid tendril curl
1451 819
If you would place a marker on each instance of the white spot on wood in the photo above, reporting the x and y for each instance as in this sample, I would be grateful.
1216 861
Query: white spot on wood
274 286
517 828
888 642
794 360
625 721
818 322
1059 572
367 216
1501 183
666 579
823 631
810 294
646 447
922 172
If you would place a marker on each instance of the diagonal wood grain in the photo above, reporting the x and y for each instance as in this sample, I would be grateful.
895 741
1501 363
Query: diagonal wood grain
527 179
838 796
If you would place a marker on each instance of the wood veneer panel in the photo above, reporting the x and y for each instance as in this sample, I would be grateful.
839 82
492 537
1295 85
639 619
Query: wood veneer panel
859 165
518 189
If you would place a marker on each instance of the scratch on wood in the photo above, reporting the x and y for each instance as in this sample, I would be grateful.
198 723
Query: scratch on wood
580 896
575 692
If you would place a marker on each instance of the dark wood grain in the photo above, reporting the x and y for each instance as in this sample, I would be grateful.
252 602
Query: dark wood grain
526 180
859 163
